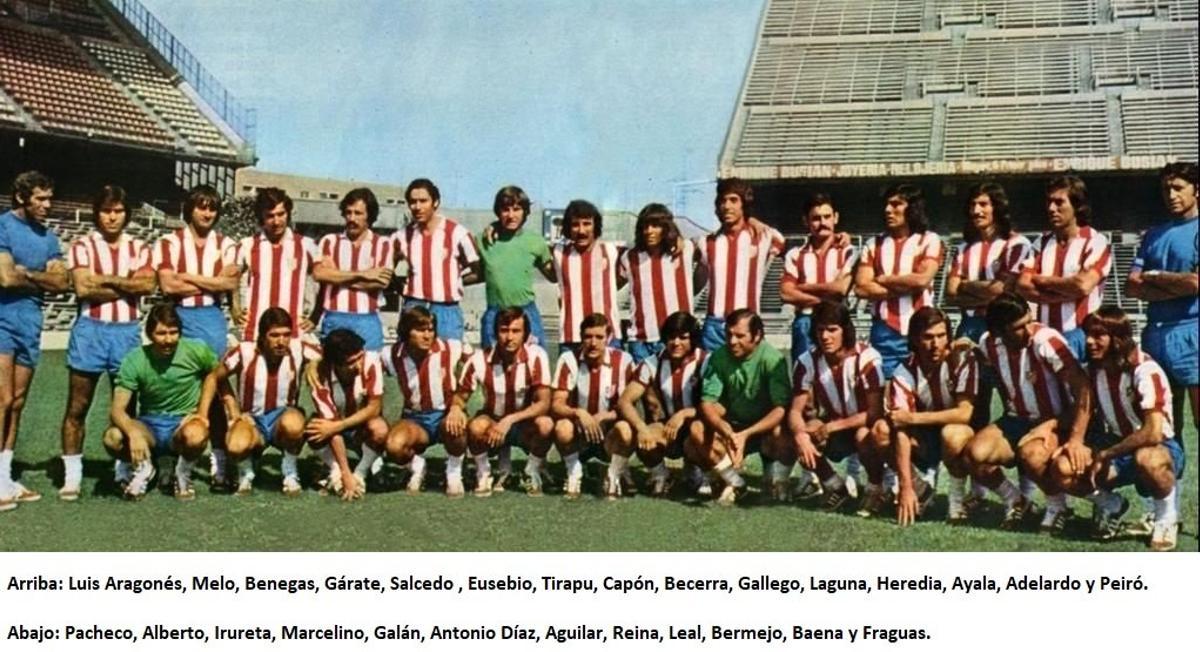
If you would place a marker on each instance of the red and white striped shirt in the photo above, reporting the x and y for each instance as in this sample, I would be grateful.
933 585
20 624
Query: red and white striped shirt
587 284
180 252
912 390
1087 251
1125 396
275 276
737 265
595 390
1032 378
989 260
369 253
505 390
124 259
659 286
891 257
261 390
333 400
429 384
806 264
840 391
678 385
436 260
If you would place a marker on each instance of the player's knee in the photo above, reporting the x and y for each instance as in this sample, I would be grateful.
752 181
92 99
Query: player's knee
978 451
191 438
377 431
290 425
880 437
621 434
477 432
653 439
18 402
114 441
241 440
543 427
564 432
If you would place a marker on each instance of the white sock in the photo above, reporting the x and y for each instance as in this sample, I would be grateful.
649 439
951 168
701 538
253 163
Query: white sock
417 465
6 458
1028 487
122 470
957 488
454 467
1165 509
1008 492
217 461
833 483
1056 503
616 466
326 455
781 472
890 480
725 469
483 466
363 468
288 465
930 476
1106 501
72 469
574 466
246 469
504 460
853 465
978 489
183 469
534 465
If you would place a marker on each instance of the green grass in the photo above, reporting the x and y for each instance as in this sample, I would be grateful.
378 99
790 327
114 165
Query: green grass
391 520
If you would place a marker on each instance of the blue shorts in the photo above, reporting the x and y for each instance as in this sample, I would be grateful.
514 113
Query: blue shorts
712 337
430 422
449 317
641 350
1176 347
97 346
973 328
162 427
367 326
801 327
21 333
207 324
487 325
266 424
1014 429
892 346
1077 341
1125 466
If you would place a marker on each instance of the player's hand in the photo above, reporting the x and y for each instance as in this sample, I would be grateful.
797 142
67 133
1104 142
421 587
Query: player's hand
673 425
307 326
489 233
591 428
319 430
498 431
351 490
139 451
737 449
456 421
195 417
906 505
1094 471
900 417
806 451
1078 455
841 239
757 228
381 275
239 316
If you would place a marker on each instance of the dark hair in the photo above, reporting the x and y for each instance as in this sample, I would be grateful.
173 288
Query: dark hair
581 209
1180 170
737 316
1000 215
24 185
427 186
1076 193
365 196
202 196
273 317
507 316
266 199
340 345
592 321
164 313
657 215
818 199
108 195
833 313
511 196
412 319
1113 321
922 320
914 214
678 323
739 187
1005 310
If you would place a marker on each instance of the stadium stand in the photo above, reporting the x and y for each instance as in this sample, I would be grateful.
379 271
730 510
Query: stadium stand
1070 125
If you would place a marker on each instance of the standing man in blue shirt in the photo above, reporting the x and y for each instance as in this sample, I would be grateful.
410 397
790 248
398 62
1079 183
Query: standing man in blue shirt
1165 274
31 264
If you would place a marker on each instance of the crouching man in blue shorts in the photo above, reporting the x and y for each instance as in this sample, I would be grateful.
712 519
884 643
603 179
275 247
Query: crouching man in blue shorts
167 376
267 414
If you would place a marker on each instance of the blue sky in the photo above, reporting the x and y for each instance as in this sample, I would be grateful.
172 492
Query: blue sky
610 100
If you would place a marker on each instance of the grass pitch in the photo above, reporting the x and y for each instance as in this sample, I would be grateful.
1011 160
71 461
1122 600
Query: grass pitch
390 520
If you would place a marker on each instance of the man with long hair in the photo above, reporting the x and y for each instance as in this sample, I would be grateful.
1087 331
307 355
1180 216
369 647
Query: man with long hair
659 269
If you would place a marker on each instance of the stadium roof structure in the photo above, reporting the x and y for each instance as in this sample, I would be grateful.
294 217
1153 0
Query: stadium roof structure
895 88
108 72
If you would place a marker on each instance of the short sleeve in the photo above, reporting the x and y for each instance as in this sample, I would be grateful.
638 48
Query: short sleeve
566 376
229 252
205 358
310 250
1153 391
243 252
870 252
389 358
539 367
966 377
162 258
1016 253
802 374
623 266
1099 255
791 265
644 373
468 252
1052 349
322 398
53 246
932 248
711 387
141 256
5 245
777 242
870 370
79 256
127 374
901 393
232 361
325 247
850 257
956 265
779 385
541 251
373 376
468 377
